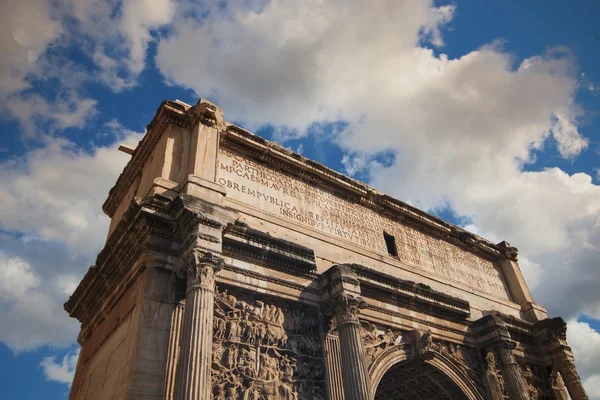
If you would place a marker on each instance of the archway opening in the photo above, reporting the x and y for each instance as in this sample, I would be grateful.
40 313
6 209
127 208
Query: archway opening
417 380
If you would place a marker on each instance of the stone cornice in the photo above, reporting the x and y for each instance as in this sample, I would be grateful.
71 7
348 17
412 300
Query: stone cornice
131 241
168 112
416 291
262 150
259 246
298 166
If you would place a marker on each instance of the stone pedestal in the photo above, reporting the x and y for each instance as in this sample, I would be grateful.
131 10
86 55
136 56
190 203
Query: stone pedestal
194 369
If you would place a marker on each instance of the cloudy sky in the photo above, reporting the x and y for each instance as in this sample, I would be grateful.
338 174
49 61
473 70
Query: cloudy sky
484 113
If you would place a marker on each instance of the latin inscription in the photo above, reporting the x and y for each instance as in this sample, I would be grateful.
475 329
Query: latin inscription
282 195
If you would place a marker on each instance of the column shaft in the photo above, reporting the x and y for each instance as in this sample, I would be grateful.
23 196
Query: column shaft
573 381
333 362
173 350
193 379
354 367
511 372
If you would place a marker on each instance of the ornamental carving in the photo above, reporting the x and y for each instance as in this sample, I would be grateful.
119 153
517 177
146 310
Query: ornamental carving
538 380
421 342
200 268
345 309
494 377
265 351
376 342
205 113
508 252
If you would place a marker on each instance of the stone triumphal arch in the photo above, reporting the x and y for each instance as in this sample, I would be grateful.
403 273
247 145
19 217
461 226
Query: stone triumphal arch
237 269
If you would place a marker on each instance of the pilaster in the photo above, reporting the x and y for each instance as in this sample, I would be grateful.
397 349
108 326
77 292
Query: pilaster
516 284
173 350
206 121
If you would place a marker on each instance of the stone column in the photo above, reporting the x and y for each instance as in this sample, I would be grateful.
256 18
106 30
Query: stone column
558 386
333 362
173 350
194 368
511 372
343 302
572 380
552 336
354 368
496 339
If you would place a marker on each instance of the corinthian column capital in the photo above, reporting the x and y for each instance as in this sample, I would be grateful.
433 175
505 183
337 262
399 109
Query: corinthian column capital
200 268
346 308
504 349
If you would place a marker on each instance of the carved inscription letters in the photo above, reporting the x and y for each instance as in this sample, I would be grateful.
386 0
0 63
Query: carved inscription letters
281 195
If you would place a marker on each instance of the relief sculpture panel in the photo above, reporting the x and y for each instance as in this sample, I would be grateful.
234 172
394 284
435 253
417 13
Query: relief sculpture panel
289 198
263 350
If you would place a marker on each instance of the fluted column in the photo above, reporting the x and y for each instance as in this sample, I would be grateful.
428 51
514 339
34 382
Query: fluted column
552 336
511 372
558 386
572 380
193 381
354 368
333 362
173 350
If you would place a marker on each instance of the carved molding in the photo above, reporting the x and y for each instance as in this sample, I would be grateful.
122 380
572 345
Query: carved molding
205 113
200 268
345 308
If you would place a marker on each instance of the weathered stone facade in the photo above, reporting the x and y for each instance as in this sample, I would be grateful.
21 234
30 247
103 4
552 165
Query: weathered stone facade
237 269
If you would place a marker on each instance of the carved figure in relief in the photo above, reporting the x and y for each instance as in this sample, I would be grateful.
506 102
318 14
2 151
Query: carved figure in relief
528 376
220 327
219 392
494 381
369 334
252 392
228 299
275 350
232 329
421 341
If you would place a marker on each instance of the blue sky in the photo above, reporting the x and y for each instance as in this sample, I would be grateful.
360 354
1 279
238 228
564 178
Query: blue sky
484 113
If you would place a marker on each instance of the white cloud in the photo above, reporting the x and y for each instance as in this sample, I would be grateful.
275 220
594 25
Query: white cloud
139 18
585 343
113 34
50 206
30 311
36 114
62 371
54 193
291 63
27 27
